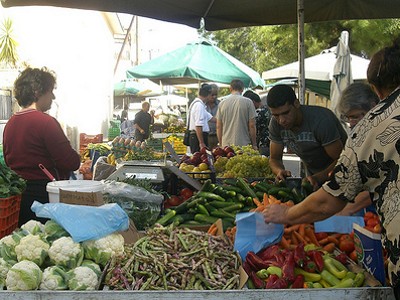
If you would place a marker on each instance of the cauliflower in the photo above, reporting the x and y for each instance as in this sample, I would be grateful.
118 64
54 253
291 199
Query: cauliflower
54 278
66 253
4 267
82 279
7 246
33 227
54 231
91 264
101 250
33 248
23 276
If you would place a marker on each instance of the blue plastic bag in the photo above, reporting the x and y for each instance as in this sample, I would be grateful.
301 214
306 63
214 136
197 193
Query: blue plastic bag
339 224
253 234
84 222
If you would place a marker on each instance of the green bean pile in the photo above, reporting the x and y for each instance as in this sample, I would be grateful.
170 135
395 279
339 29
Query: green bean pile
175 258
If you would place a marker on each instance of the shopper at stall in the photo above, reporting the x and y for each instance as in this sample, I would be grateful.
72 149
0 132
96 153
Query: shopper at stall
32 137
236 118
124 113
198 119
262 121
356 100
369 161
313 133
212 108
142 122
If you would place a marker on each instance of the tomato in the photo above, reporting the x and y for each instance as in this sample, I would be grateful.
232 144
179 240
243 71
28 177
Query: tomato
186 193
346 246
174 200
353 256
345 237
372 222
369 215
377 228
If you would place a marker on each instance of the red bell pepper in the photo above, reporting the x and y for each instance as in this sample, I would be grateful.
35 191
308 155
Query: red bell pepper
288 268
258 283
299 255
271 280
268 252
342 257
280 283
298 282
310 266
256 261
317 258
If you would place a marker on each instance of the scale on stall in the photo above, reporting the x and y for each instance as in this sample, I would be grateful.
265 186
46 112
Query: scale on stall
151 170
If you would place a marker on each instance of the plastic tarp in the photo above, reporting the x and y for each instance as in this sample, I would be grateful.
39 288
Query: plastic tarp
199 61
223 14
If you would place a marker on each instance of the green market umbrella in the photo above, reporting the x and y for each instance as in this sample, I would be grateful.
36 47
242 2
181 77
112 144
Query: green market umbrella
134 88
196 62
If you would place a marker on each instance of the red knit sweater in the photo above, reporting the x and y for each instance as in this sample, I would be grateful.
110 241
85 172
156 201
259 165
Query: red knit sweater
32 138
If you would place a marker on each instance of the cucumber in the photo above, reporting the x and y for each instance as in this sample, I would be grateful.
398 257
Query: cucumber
233 207
212 196
202 209
246 188
220 204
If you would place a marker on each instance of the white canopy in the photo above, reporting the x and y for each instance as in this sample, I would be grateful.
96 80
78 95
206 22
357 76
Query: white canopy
319 67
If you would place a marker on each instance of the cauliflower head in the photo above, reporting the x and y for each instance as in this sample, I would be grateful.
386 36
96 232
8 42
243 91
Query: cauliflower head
33 227
4 268
54 278
66 253
91 264
82 279
24 276
33 248
7 246
101 250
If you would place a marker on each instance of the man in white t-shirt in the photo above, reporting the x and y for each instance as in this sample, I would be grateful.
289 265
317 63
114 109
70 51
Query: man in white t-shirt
198 119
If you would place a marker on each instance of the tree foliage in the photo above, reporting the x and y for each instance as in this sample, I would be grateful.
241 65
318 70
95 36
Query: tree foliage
8 45
266 47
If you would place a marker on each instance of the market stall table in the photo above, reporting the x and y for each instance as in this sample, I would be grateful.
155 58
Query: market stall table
384 293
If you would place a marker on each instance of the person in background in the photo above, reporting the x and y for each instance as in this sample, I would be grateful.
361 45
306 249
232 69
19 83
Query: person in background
236 119
212 107
355 102
198 119
369 162
313 133
262 121
124 113
142 122
32 137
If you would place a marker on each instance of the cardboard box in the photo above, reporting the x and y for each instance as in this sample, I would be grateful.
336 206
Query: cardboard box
131 235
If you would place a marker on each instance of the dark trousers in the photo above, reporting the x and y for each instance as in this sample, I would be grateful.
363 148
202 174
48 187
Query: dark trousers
396 290
212 140
35 191
194 141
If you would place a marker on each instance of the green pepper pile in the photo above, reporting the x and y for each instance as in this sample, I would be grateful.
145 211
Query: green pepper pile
10 183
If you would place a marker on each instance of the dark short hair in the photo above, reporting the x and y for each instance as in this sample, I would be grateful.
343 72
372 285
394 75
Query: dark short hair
279 95
237 85
205 90
33 83
252 96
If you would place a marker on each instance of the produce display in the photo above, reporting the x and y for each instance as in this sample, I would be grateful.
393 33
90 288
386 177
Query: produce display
44 256
172 258
177 143
130 149
305 266
233 162
10 183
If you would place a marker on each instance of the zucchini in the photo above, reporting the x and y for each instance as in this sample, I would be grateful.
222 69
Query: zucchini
246 188
222 214
204 219
230 181
166 218
233 207
202 209
195 202
232 188
208 195
220 204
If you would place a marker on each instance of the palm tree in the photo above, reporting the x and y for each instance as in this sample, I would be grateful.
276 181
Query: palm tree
8 45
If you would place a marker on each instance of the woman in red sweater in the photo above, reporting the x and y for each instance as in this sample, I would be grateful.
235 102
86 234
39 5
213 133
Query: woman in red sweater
32 137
